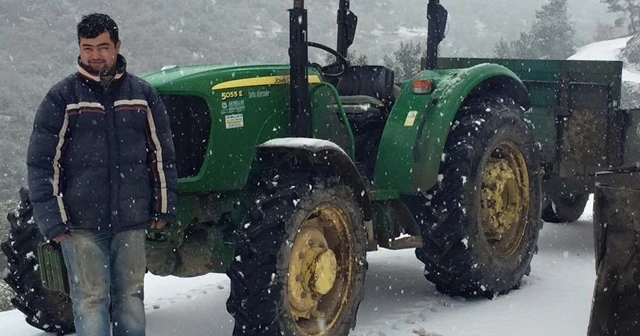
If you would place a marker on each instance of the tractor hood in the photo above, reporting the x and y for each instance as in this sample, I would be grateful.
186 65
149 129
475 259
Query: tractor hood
219 114
203 79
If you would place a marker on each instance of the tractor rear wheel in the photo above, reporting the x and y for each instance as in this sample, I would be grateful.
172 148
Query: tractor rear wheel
480 222
565 209
44 309
300 262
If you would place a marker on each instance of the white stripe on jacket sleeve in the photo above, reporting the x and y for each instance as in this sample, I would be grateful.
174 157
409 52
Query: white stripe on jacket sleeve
160 167
56 168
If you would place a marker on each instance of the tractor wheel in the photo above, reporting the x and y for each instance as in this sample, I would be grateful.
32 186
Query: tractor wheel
565 209
44 309
300 262
480 222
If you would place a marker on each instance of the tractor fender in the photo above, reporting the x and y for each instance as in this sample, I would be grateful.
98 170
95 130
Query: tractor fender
308 153
418 126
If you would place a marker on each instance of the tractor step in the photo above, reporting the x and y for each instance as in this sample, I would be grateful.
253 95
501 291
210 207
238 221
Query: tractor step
405 243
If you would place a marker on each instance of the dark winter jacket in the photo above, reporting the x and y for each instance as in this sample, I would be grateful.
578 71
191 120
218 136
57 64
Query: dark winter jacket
101 158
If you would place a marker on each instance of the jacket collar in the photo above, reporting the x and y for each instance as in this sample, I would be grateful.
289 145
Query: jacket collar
93 75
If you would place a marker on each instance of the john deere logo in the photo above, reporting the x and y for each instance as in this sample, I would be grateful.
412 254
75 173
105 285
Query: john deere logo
282 80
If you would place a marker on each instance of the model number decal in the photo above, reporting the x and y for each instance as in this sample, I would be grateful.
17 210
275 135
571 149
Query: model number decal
231 94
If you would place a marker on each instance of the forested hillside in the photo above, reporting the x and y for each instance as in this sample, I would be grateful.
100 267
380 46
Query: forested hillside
38 44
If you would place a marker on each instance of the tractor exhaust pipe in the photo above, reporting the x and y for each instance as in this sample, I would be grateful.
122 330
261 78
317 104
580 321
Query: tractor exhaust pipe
344 38
437 17
298 56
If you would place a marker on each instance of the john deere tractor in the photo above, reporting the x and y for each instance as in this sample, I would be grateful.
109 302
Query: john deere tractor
290 173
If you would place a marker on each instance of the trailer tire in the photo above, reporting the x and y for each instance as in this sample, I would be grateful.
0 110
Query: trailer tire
299 227
565 209
481 220
44 309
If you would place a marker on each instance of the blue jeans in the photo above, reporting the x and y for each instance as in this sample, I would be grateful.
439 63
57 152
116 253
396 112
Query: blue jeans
106 280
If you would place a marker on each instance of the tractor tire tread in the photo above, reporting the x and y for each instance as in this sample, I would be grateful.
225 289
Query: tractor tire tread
46 310
450 263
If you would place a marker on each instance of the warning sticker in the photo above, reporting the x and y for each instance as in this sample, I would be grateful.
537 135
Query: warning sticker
234 121
411 118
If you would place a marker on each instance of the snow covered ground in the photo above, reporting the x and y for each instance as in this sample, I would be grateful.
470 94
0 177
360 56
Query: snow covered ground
608 51
554 300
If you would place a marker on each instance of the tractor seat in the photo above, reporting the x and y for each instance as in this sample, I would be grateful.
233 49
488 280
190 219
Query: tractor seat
366 88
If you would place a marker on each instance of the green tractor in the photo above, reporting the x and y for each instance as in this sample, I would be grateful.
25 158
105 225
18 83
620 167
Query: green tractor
290 173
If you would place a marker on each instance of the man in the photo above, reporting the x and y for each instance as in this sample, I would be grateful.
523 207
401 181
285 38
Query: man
101 170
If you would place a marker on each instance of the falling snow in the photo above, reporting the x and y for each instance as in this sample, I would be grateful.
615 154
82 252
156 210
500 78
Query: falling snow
410 305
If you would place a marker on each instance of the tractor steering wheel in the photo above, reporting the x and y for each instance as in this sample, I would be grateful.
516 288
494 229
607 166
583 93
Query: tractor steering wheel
335 69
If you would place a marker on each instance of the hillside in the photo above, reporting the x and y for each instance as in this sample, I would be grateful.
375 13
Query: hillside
612 50
38 43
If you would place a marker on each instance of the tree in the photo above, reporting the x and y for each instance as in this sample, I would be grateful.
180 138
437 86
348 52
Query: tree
550 37
406 59
358 59
520 48
632 50
628 8
353 56
604 32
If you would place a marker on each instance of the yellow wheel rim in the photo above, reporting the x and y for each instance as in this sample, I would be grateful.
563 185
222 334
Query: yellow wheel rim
320 270
505 198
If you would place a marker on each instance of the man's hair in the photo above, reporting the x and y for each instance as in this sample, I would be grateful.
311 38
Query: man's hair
95 24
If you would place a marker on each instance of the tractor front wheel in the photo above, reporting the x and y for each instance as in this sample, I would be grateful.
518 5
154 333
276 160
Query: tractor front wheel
300 262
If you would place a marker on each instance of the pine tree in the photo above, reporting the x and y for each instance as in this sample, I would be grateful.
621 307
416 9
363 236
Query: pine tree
406 60
359 59
520 48
553 34
353 56
628 8
550 37
631 51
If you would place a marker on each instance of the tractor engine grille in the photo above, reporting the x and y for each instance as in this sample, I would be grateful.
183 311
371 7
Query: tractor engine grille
190 120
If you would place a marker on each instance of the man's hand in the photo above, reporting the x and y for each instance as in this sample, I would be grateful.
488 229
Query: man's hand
59 238
157 224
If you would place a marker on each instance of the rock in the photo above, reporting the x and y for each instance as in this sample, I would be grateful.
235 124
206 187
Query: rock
632 51
422 332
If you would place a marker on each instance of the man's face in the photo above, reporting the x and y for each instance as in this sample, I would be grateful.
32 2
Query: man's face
99 53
